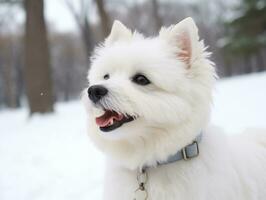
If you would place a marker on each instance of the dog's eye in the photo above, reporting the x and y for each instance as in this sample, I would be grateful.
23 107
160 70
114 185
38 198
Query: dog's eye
106 76
140 79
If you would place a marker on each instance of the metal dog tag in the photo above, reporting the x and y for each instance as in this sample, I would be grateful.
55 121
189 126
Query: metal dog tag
141 195
141 192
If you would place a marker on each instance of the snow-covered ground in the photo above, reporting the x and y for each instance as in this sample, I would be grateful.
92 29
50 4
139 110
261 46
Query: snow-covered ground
50 157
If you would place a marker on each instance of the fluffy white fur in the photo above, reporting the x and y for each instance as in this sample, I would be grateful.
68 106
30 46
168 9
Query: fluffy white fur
170 112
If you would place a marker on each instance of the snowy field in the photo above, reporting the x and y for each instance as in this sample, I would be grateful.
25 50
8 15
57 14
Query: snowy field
50 157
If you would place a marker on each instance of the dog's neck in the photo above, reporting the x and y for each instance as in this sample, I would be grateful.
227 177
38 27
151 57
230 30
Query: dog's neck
186 153
157 146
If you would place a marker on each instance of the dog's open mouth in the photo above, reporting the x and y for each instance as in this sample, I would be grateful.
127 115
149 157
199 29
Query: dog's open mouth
112 120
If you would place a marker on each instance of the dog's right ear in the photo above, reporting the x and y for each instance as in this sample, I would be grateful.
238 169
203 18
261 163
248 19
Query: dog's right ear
119 32
184 38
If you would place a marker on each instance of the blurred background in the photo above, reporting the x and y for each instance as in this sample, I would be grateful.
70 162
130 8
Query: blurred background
45 47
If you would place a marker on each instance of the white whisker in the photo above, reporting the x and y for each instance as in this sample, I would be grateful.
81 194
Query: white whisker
111 102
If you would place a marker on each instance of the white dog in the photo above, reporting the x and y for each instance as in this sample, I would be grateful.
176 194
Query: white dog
148 106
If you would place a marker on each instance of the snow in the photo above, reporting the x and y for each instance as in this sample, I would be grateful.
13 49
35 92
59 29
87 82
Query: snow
48 157
51 158
240 103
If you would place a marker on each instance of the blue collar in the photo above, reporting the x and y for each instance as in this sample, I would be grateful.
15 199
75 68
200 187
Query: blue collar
188 152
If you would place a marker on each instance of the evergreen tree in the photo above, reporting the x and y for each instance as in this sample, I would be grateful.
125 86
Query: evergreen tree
246 34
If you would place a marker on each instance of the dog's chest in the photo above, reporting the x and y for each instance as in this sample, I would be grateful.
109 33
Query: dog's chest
162 183
217 173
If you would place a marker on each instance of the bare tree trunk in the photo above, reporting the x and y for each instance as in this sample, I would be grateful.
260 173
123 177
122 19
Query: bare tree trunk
82 20
227 67
19 81
38 80
260 61
247 64
87 37
10 87
156 15
9 73
104 17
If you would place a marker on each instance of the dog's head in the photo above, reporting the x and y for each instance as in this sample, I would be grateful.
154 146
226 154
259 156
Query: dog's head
146 91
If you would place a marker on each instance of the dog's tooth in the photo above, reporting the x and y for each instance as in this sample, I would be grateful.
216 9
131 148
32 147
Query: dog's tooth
112 121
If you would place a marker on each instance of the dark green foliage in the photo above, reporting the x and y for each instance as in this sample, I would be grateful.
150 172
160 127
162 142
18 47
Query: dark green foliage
246 33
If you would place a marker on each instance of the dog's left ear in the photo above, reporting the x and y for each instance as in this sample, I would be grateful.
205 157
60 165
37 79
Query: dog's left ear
118 32
184 39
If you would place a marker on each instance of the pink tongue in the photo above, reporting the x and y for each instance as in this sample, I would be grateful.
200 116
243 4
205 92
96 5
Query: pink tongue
107 118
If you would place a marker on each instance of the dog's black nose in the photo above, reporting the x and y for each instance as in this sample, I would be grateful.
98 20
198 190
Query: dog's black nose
96 92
